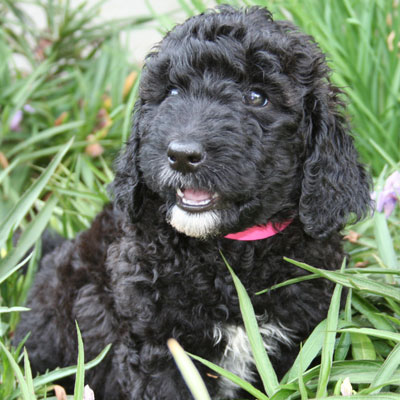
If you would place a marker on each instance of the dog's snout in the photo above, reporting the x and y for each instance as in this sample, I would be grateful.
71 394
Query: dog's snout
185 155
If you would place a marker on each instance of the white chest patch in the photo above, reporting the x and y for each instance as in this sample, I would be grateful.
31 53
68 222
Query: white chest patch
238 357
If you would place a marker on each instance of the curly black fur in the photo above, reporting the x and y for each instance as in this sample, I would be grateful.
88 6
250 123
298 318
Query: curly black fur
134 280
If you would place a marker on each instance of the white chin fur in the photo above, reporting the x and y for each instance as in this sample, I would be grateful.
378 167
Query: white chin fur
197 225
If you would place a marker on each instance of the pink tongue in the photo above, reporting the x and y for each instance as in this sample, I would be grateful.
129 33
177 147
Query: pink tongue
196 195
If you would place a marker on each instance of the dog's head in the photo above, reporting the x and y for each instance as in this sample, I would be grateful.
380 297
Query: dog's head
237 124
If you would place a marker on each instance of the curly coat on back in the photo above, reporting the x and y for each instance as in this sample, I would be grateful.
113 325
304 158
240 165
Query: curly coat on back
237 124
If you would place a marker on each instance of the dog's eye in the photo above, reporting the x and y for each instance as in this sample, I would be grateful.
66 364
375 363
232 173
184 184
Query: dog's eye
173 92
256 99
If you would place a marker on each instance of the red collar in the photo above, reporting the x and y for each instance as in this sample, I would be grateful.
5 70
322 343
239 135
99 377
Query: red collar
259 232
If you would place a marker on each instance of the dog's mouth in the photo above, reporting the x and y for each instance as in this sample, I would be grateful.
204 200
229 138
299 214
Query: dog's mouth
195 200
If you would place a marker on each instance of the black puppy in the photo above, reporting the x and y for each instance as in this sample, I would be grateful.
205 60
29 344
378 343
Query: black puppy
239 145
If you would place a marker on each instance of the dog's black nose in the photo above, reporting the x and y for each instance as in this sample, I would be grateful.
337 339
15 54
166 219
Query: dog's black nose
185 155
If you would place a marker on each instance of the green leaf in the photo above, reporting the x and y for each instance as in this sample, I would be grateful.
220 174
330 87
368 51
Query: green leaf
7 272
283 394
383 153
249 388
388 368
311 348
29 85
7 170
374 332
359 372
363 306
126 127
61 373
381 396
28 375
26 395
344 342
289 282
28 238
384 241
164 21
189 372
261 359
80 368
352 281
45 135
12 309
362 347
16 215
302 386
329 341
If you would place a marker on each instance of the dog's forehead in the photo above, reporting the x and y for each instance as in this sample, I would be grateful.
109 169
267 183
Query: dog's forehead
224 20
210 42
244 48
229 26
234 40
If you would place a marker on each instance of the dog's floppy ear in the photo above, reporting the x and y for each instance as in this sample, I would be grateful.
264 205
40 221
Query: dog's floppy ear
335 185
127 187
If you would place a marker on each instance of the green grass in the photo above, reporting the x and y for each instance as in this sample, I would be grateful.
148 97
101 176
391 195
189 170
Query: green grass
80 87
361 40
361 343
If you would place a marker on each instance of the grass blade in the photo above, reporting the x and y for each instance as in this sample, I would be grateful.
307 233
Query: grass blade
329 341
352 281
28 375
63 372
302 386
232 377
31 83
309 351
289 282
366 308
261 359
45 135
384 241
7 273
383 153
16 215
374 332
4 310
80 368
189 372
388 368
28 238
7 170
362 347
344 342
18 373
382 396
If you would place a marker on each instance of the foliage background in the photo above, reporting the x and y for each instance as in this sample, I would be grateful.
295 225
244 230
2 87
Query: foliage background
65 114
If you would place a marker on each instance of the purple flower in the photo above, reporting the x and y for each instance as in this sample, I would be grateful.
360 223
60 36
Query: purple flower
390 194
29 109
16 119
